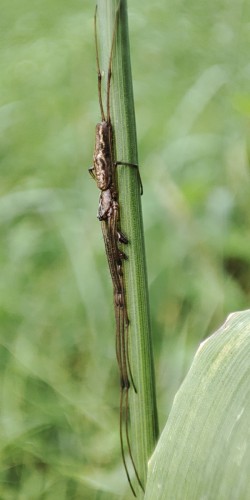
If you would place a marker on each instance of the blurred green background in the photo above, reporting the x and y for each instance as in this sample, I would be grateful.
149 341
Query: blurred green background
59 380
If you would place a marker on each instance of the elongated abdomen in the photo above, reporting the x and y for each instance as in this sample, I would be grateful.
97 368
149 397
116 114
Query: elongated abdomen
102 167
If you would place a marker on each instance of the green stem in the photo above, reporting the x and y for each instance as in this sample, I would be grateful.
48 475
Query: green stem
143 412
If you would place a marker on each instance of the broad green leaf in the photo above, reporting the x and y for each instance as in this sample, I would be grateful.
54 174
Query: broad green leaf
204 450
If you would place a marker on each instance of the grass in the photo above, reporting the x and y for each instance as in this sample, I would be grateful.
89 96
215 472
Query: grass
58 371
142 404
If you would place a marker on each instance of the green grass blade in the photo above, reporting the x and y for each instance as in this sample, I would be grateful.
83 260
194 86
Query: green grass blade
143 413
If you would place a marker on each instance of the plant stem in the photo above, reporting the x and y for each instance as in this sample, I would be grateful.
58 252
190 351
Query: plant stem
143 412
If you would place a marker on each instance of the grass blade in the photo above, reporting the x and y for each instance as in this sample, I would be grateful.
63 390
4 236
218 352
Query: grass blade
143 412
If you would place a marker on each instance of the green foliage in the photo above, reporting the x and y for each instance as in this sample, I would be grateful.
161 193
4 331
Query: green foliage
203 451
59 380
142 404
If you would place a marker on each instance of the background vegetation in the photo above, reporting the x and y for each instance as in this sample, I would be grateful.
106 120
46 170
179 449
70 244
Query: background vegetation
59 381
